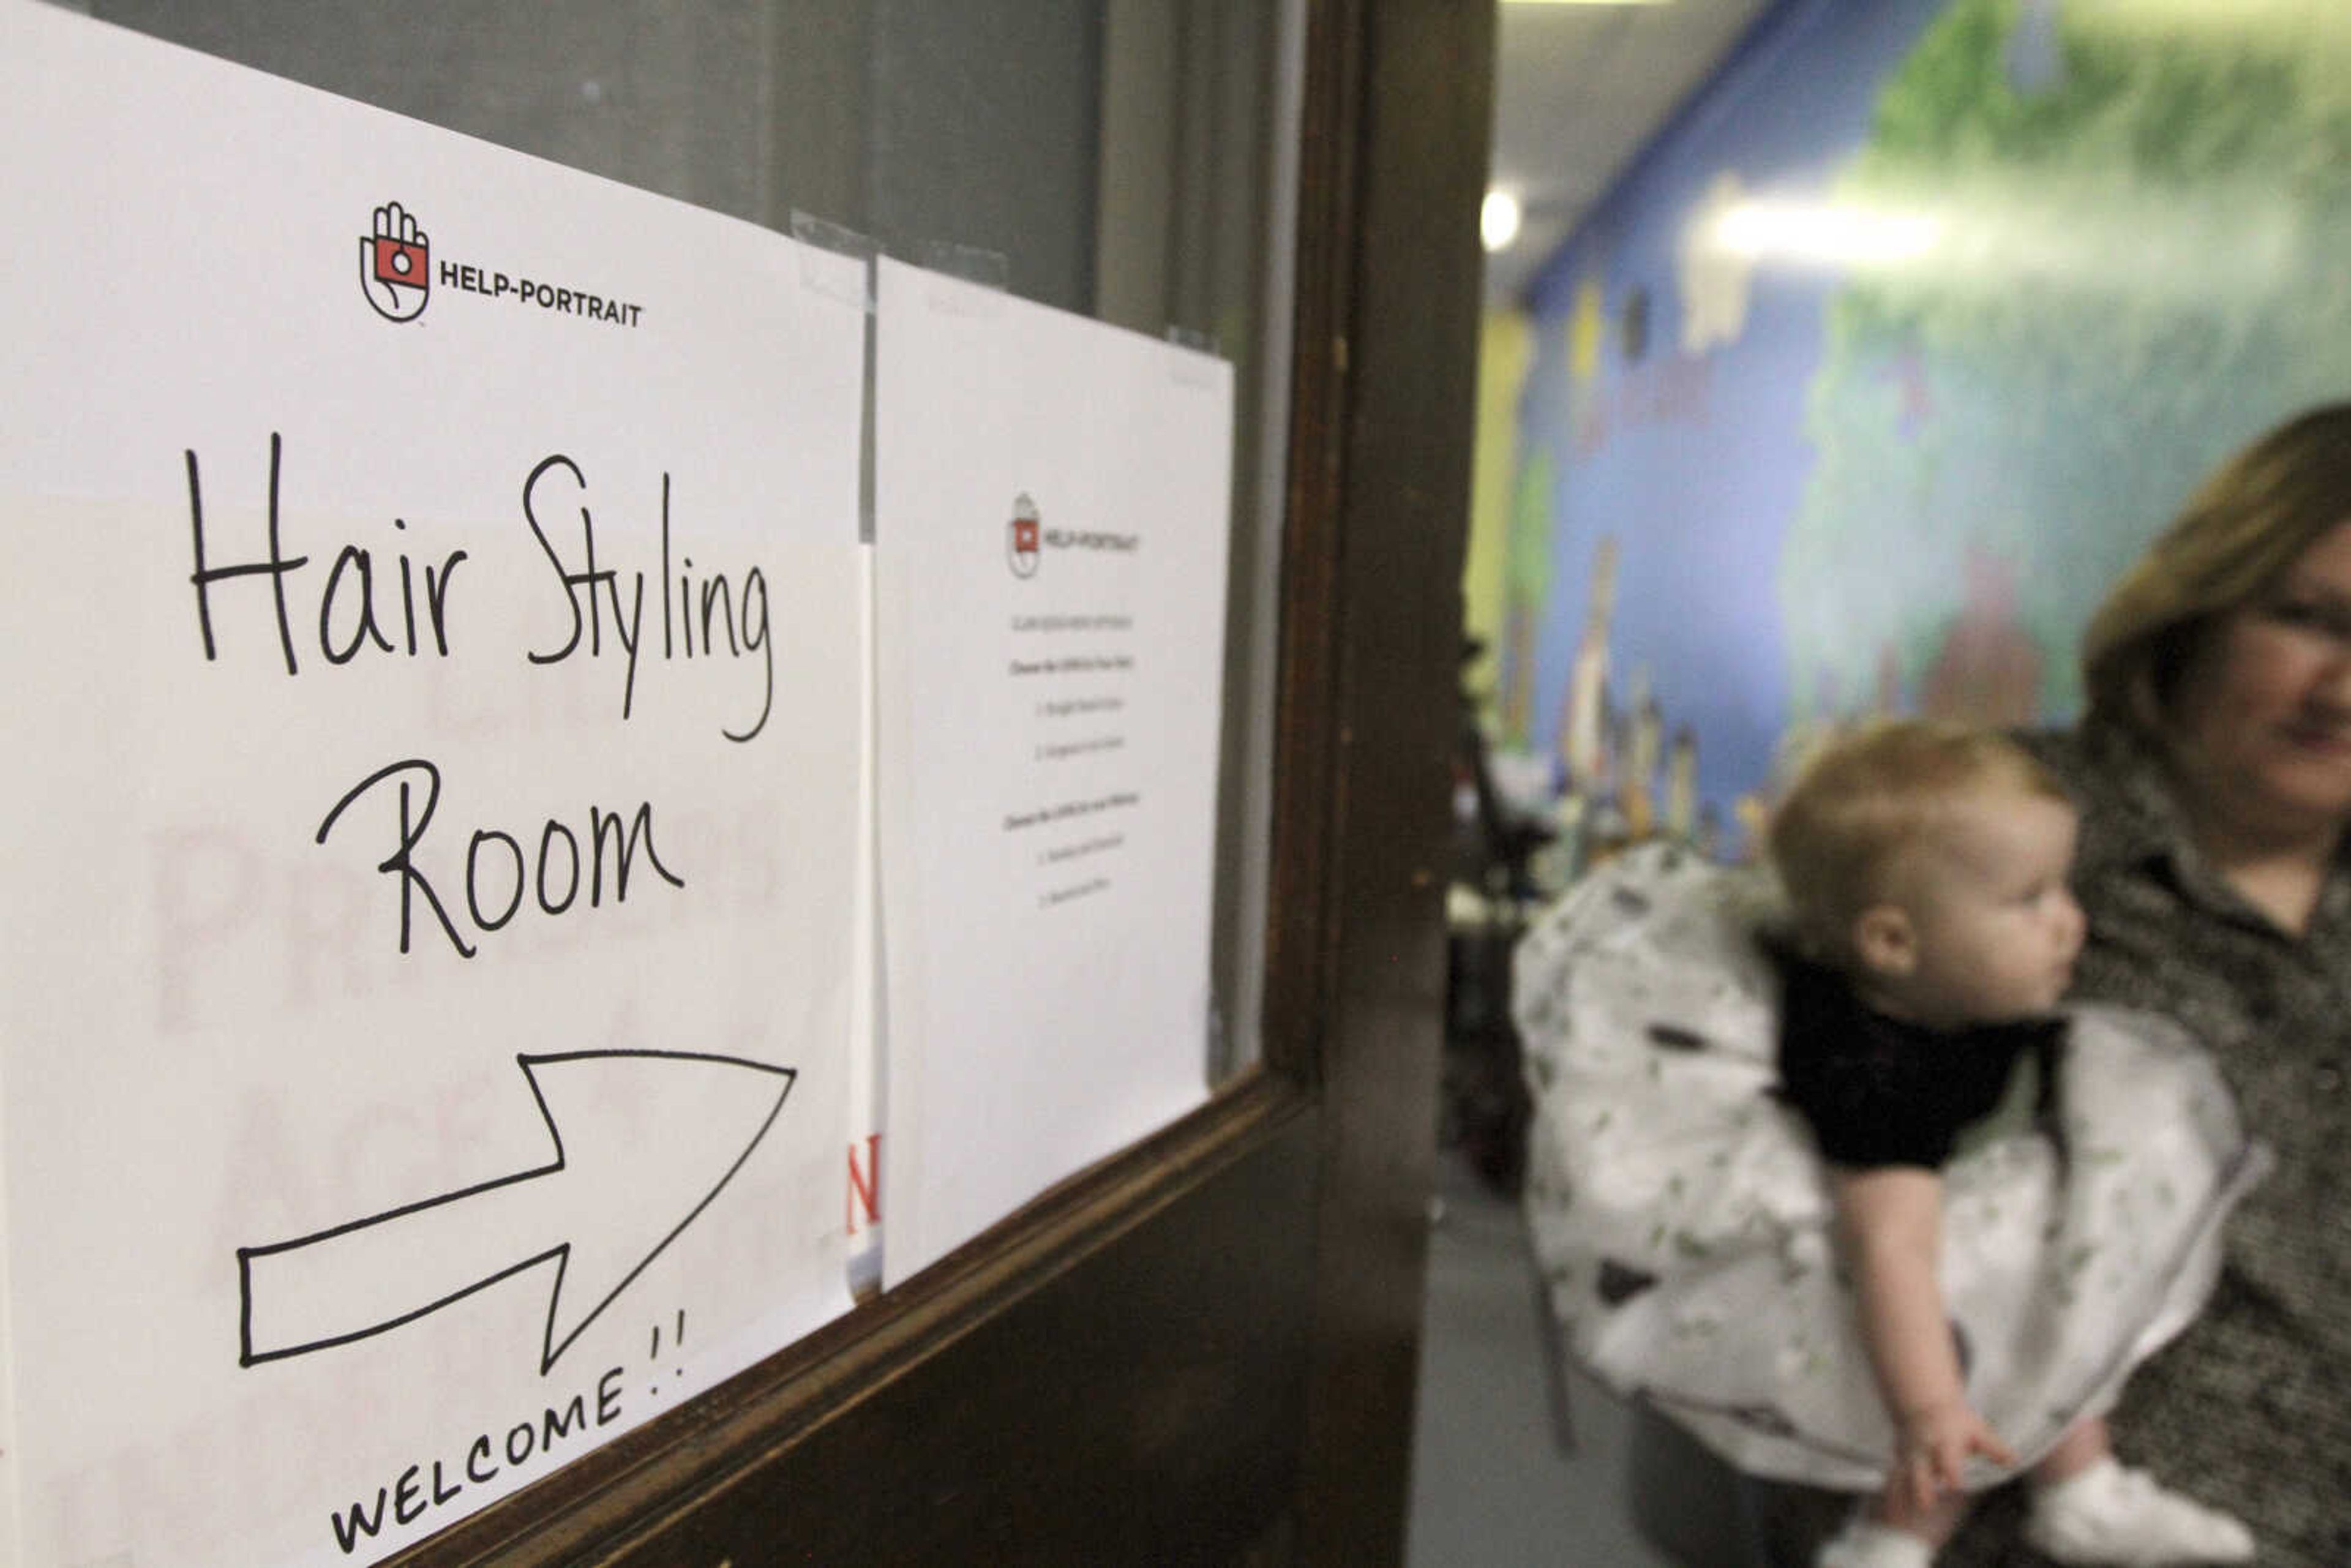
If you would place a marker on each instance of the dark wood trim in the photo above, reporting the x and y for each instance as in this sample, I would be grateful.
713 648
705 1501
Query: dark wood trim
1204 1348
1298 959
1407 353
1142 1404
680 1463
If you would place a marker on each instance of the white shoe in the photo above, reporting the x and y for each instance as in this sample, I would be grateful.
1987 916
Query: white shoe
2118 1518
1865 1543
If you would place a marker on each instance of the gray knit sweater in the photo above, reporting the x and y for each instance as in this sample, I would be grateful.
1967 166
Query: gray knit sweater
2251 1409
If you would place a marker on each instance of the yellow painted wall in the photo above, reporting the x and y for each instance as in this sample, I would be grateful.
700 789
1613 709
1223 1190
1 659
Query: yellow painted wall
1506 343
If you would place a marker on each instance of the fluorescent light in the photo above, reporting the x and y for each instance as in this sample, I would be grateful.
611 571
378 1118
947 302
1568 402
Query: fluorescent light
1833 234
1498 219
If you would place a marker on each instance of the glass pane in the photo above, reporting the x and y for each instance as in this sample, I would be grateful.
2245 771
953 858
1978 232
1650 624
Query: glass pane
1125 159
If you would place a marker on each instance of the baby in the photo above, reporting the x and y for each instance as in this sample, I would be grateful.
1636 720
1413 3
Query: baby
1926 867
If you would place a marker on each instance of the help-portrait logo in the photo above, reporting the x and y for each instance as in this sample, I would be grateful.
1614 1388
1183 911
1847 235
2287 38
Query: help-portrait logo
1027 538
396 265
1022 536
397 271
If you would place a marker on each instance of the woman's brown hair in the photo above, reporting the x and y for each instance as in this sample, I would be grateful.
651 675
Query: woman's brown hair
2245 525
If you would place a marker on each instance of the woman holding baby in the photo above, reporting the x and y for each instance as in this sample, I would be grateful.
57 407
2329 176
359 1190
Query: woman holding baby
2212 780
2213 774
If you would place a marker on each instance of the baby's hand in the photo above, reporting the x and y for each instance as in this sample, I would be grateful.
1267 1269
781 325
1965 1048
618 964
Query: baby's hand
1936 1443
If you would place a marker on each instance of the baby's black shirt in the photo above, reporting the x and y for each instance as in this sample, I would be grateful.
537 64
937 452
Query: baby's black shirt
1881 1090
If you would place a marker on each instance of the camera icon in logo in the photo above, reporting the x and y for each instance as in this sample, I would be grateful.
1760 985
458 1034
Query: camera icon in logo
1020 541
396 264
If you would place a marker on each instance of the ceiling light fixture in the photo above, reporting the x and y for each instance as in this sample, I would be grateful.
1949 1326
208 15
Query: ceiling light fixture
1498 220
1830 234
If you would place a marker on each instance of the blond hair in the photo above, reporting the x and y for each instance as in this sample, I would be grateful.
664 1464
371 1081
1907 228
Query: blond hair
1866 795
2239 533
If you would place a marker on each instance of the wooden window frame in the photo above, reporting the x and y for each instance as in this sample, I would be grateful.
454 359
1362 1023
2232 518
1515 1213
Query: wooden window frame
1336 1125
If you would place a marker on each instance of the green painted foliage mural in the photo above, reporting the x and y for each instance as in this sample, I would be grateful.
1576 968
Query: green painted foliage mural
2140 256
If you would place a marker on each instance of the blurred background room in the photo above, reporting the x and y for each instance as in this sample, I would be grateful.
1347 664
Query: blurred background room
1838 354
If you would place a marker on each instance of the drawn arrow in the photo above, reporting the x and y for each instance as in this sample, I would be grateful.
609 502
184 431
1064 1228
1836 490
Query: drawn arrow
595 1209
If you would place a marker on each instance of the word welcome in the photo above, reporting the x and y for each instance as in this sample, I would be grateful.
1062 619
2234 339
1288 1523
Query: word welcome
418 1490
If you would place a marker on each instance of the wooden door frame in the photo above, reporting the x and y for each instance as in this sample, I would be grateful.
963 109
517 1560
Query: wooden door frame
1399 95
1209 1342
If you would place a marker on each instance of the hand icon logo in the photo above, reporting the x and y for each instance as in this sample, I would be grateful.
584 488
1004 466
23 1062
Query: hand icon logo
1020 539
396 264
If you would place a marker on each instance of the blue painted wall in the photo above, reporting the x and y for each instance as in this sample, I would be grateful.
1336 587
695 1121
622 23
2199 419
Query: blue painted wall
2001 280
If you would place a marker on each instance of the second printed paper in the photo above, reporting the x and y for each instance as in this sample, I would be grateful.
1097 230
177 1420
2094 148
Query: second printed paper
1052 498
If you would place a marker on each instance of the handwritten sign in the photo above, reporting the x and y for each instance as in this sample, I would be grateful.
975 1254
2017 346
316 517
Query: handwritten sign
1052 498
432 634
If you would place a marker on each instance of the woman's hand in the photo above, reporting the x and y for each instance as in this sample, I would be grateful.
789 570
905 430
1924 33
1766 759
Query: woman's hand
1935 1443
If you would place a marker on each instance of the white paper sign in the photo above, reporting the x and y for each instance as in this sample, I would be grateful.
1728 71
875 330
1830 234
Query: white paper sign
433 711
1051 499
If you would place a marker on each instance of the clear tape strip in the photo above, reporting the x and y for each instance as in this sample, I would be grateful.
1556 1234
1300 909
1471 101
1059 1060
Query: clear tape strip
985 275
825 239
1199 366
